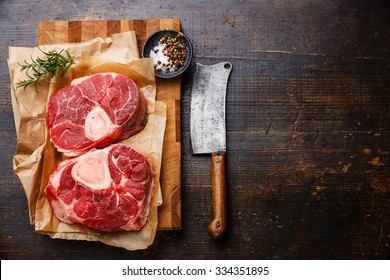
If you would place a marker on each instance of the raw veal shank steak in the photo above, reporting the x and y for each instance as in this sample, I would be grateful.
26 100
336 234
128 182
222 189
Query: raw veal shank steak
95 111
106 189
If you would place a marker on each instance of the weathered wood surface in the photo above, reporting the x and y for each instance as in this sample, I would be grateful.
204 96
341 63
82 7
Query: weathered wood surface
168 91
308 126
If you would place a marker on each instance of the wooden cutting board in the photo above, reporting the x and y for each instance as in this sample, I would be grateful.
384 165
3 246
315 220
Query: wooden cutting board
52 32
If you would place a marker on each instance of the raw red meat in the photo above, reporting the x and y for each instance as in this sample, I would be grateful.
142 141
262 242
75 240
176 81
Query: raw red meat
95 111
106 189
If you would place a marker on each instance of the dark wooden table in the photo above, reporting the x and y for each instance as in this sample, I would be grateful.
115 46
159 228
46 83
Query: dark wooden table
308 130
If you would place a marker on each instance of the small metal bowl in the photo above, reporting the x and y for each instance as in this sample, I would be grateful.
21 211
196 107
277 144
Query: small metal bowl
152 41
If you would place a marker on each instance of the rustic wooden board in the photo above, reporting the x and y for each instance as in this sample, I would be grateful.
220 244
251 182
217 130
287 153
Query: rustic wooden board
51 32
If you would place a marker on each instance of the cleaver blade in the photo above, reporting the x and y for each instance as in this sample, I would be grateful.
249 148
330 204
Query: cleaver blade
208 133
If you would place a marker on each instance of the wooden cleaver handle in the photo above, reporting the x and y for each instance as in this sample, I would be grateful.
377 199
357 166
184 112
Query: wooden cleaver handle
217 227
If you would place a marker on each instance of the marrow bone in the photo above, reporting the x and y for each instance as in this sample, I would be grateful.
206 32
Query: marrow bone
92 170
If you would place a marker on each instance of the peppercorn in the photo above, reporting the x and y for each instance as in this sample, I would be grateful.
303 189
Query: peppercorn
174 50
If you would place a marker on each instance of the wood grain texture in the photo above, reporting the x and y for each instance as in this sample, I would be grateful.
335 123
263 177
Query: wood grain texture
168 91
218 225
308 129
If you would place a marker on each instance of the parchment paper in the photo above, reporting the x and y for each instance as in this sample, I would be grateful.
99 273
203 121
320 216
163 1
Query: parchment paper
36 158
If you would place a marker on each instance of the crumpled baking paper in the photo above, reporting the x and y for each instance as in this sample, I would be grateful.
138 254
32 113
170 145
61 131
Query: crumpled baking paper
36 158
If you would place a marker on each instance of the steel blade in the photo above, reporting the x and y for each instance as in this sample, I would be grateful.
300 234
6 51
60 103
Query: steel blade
208 98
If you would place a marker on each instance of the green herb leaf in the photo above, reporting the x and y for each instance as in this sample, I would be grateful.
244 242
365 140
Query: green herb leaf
44 69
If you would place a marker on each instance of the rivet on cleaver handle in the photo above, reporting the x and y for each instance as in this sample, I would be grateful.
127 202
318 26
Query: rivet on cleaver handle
208 133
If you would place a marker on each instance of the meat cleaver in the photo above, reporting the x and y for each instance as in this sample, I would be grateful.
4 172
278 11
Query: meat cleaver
208 133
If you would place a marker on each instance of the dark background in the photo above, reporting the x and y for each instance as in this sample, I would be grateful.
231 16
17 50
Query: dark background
308 130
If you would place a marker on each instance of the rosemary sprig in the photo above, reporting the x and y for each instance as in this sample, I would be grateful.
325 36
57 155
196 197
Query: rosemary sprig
45 68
